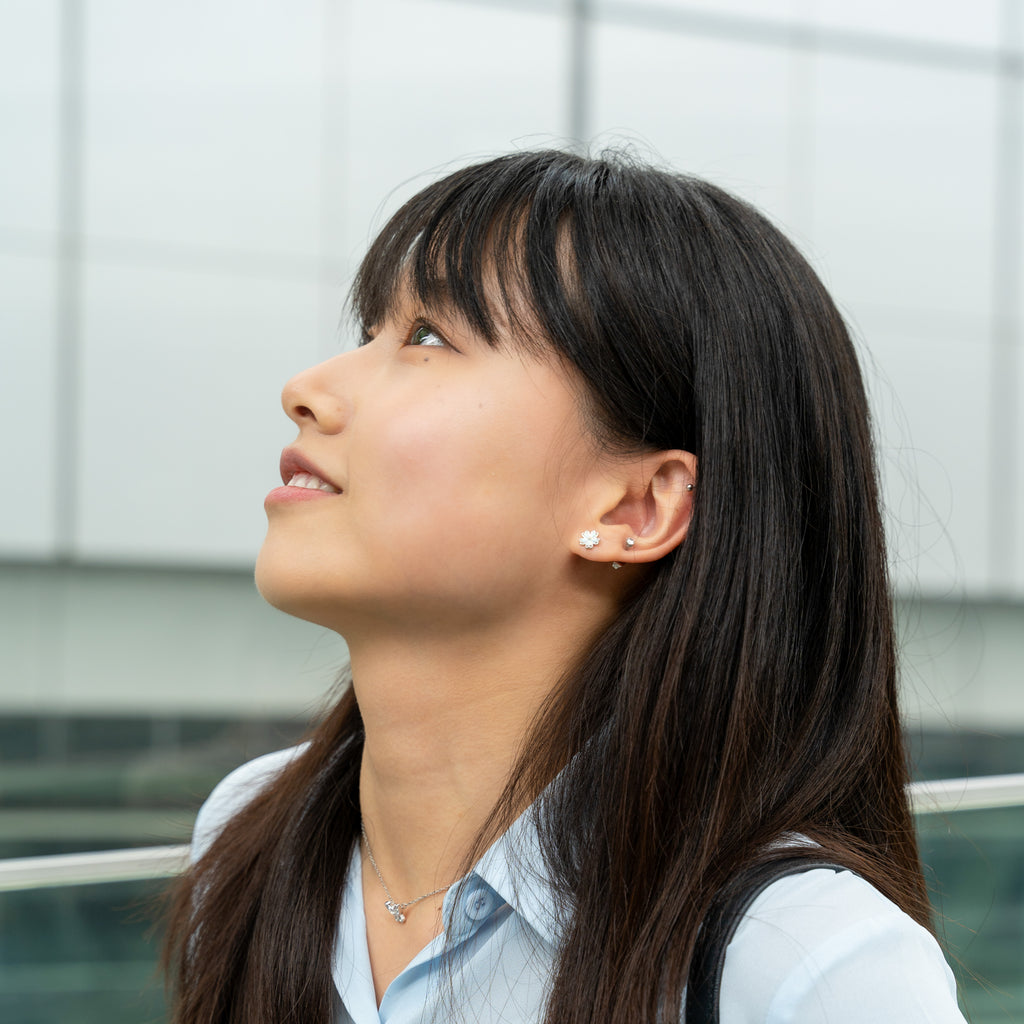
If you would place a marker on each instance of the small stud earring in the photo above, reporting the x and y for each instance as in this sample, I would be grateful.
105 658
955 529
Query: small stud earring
630 542
616 565
689 487
589 539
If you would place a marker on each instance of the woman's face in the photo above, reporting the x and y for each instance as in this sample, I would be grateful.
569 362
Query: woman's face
435 482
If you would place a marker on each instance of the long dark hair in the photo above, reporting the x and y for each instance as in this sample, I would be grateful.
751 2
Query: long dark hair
745 691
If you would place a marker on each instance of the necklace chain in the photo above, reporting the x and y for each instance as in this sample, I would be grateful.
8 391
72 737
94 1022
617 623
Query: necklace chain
395 909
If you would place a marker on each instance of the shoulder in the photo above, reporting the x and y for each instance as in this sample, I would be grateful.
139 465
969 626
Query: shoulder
233 792
826 947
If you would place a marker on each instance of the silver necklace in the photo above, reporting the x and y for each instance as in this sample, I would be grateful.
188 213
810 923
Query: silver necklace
395 909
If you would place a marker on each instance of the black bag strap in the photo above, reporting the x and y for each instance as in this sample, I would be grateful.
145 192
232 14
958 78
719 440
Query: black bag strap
720 924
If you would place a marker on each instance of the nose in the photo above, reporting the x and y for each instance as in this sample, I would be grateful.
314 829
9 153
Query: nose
314 398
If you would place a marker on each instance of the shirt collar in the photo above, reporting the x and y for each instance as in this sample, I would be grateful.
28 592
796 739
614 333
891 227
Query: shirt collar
515 868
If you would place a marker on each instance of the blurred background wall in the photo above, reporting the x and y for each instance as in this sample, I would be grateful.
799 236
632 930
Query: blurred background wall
185 190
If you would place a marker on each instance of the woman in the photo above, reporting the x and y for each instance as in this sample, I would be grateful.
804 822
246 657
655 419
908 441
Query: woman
596 510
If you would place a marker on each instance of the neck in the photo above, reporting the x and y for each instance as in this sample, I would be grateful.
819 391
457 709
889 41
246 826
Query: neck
444 723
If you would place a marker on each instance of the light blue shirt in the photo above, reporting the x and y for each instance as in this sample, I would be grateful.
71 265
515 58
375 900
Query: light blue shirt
492 962
822 947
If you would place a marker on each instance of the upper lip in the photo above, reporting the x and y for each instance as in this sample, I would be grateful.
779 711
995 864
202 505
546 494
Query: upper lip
293 462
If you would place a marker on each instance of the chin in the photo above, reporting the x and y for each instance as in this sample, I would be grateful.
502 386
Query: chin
305 589
286 585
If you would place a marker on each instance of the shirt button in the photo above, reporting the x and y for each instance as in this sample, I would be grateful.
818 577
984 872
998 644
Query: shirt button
478 904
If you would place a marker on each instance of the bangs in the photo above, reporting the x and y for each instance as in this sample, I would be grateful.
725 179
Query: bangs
484 246
551 253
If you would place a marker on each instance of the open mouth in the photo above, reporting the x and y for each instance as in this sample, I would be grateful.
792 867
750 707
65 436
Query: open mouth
312 483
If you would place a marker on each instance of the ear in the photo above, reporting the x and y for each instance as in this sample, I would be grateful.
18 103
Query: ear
651 507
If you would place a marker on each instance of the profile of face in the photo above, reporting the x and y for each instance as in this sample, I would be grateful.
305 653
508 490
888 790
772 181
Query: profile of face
437 481
523 379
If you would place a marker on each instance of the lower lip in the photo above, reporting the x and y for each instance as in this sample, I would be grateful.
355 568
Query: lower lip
292 495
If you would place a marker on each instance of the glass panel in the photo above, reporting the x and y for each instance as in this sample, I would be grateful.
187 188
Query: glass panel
976 877
85 954
79 783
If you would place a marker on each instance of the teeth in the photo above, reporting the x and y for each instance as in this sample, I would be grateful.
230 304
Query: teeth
312 483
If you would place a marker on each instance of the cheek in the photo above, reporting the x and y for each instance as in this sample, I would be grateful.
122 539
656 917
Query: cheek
417 485
467 469
450 441
437 447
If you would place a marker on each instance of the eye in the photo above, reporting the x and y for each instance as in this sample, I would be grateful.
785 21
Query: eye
426 335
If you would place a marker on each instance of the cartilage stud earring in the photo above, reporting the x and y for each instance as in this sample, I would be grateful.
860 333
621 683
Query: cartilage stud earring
589 539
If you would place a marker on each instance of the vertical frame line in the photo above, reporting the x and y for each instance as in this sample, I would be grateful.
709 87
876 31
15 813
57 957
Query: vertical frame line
579 79
1005 487
334 259
69 276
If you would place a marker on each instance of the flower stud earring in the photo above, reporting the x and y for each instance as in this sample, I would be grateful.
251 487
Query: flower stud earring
589 539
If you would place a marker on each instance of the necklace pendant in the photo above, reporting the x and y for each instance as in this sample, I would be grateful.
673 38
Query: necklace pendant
395 911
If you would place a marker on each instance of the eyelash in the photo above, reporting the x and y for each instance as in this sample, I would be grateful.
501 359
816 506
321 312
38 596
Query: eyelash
422 325
419 325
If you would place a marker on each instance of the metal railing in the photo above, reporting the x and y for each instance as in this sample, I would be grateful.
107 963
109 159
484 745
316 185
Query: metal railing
942 796
84 868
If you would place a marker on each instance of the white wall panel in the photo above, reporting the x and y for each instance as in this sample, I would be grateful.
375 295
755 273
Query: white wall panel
31 614
718 109
903 216
904 164
181 426
121 648
961 665
27 406
951 22
203 124
434 85
928 379
29 84
108 641
114 641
